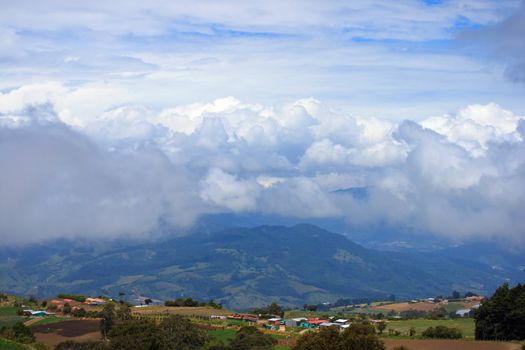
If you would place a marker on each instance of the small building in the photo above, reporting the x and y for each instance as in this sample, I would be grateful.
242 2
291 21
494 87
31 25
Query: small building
328 324
312 323
95 301
341 321
294 322
275 321
463 312
36 313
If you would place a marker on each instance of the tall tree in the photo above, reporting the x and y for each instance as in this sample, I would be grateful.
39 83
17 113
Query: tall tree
178 333
502 316
107 319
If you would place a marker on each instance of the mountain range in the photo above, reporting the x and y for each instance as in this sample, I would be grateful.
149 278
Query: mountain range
247 267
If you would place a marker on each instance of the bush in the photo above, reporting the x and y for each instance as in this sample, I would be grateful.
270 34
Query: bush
80 312
19 333
442 332
73 345
359 336
251 338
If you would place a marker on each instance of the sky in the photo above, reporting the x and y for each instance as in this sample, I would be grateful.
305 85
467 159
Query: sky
120 117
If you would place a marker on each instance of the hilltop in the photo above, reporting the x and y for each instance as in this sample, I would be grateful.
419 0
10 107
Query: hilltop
242 267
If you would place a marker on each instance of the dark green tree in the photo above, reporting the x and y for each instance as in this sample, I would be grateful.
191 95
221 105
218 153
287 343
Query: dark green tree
107 319
275 309
19 332
502 316
250 338
66 309
381 326
178 333
134 335
359 336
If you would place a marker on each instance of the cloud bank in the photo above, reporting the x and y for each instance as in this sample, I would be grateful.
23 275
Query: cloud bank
130 170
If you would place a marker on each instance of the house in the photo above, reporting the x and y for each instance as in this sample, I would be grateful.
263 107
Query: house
474 298
275 321
312 323
294 322
36 313
463 312
328 324
341 321
243 317
95 301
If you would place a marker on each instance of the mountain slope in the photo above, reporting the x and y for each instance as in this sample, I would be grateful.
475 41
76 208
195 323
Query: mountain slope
242 268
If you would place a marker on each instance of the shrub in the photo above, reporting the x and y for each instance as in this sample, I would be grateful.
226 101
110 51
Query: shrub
442 332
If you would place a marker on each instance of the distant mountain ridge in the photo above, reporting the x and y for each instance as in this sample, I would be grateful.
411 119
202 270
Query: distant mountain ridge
243 268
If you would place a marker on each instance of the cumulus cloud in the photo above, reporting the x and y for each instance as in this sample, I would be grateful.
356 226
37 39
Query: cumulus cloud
131 168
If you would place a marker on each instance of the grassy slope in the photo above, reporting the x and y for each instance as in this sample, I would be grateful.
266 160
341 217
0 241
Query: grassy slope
466 325
8 316
225 335
9 345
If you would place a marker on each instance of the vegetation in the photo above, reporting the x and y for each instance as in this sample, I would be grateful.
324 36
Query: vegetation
417 326
72 345
502 316
273 309
19 333
442 332
248 338
10 345
76 297
189 302
359 336
108 319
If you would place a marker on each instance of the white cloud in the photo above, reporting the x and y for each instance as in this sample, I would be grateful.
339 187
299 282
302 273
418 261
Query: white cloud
459 176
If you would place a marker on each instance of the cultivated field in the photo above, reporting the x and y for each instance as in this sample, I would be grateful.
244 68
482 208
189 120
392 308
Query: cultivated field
399 307
466 325
185 311
417 344
77 330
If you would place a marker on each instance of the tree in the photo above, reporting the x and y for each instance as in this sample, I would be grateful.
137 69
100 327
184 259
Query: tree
381 326
108 319
456 295
310 307
502 316
248 338
66 309
178 333
148 301
275 309
19 332
412 332
124 312
134 335
442 332
359 336
79 312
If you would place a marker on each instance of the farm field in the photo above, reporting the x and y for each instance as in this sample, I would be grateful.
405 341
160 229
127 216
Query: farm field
77 330
8 316
420 344
181 310
399 307
466 325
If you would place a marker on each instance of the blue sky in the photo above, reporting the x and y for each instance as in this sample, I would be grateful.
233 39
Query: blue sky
115 116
